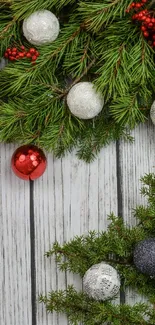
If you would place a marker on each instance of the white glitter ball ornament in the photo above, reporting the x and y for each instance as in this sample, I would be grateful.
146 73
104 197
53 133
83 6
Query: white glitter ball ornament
41 27
84 101
152 112
101 282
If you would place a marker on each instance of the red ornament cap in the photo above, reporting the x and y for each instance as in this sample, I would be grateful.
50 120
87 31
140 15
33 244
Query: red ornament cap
28 162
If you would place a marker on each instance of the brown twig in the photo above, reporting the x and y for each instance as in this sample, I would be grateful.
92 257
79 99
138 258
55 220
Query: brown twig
69 40
151 3
7 28
68 255
54 88
78 79
8 2
118 63
85 51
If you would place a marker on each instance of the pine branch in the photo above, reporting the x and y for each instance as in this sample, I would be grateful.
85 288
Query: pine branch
85 72
98 42
78 307
6 29
118 244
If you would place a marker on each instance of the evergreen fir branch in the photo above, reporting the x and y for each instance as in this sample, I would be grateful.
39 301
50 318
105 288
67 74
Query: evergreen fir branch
79 308
97 15
93 139
6 28
98 42
126 111
82 252
150 5
78 79
114 246
24 8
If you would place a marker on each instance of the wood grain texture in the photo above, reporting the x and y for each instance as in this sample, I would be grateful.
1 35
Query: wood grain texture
15 268
136 160
70 199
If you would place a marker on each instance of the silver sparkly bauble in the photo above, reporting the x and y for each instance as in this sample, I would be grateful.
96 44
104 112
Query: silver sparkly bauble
144 256
41 27
152 112
84 101
101 282
3 63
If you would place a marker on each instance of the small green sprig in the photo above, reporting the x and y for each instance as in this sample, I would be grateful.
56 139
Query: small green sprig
114 246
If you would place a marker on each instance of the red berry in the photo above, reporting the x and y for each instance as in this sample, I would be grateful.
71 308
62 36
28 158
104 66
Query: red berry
153 37
140 14
138 5
34 57
148 20
14 53
12 58
37 53
146 34
8 49
21 54
22 47
143 17
135 16
143 28
132 5
14 49
6 55
153 43
153 20
32 50
17 57
28 55
150 25
144 1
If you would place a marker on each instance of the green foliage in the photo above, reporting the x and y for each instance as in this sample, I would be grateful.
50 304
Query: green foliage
98 42
79 308
114 246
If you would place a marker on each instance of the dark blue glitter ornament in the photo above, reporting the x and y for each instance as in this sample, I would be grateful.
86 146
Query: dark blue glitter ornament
144 256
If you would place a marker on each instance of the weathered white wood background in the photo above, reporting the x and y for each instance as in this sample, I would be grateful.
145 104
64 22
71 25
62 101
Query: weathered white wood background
71 198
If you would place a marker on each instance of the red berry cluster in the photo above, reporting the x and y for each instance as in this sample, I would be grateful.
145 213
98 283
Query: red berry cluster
146 19
137 5
14 53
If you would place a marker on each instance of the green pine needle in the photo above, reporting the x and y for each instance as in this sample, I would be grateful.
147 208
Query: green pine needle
98 42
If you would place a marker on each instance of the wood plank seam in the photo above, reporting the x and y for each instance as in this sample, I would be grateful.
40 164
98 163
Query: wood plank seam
119 201
33 259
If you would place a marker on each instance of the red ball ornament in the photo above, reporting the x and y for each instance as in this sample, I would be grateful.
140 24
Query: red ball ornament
28 162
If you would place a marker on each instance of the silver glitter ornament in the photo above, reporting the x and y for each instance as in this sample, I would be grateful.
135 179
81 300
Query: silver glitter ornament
41 27
144 256
152 112
3 63
101 282
84 101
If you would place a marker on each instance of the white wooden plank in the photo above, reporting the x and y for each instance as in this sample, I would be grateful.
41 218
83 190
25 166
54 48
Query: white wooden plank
70 199
136 160
15 272
45 233
107 185
59 216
